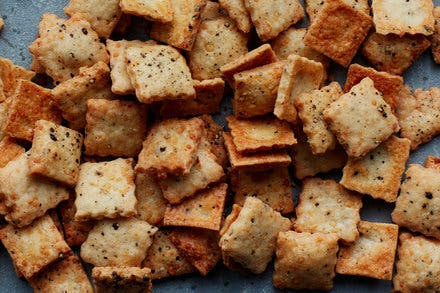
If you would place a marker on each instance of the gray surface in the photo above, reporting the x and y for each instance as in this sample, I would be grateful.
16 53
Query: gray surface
21 21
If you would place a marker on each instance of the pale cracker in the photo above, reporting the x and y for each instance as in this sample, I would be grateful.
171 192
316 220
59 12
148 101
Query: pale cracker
9 150
372 254
432 162
214 140
435 38
10 74
406 103
305 260
238 12
118 242
117 279
152 10
313 7
151 204
327 207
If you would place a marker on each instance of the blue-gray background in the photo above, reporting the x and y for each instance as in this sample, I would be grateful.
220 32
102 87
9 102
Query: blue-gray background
21 26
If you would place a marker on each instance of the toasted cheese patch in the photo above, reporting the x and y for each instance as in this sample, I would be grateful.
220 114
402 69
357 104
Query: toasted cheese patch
378 173
118 242
327 207
10 75
105 190
9 150
117 279
435 38
151 204
305 260
204 210
153 10
314 7
34 247
238 12
372 254
432 162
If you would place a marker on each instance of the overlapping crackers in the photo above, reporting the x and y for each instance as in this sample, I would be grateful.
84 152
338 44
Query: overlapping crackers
117 279
151 204
9 150
238 12
10 76
313 7
153 10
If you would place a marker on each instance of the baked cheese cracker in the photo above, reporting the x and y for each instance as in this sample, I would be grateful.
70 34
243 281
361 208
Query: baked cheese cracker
10 76
372 254
153 10
34 247
238 12
204 210
305 260
314 7
9 150
406 103
117 279
435 38
151 204
327 207
119 242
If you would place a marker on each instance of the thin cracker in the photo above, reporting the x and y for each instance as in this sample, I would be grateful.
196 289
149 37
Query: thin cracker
117 279
435 38
10 74
151 204
153 10
238 12
314 7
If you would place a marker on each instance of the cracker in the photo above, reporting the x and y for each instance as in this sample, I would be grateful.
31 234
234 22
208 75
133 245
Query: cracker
182 30
238 12
361 119
310 106
435 38
259 161
417 207
314 7
272 17
105 190
417 268
233 215
65 46
260 134
117 279
71 96
158 72
3 117
118 242
27 197
209 94
217 43
372 254
392 53
151 204
305 260
213 10
10 75
165 260
200 247
103 15
255 90
327 207
214 140
55 152
109 123
338 31
432 162
29 104
273 187
403 17
423 121
153 10
406 103
170 147
66 275
9 150
205 171
204 210
34 247
250 240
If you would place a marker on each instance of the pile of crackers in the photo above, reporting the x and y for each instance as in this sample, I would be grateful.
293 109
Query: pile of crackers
123 159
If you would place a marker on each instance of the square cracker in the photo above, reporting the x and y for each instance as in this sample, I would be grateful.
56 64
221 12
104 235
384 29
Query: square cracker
327 207
422 122
361 119
10 74
165 260
204 210
260 134
314 7
109 123
66 275
105 190
27 197
238 12
338 31
273 187
170 147
418 205
259 161
55 152
119 242
182 30
378 173
372 254
71 95
117 279
64 46
30 103
271 17
310 106
103 15
200 247
435 38
34 247
250 240
300 75
151 204
392 53
9 150
205 171
417 268
153 10
305 260
388 84
158 72
403 17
